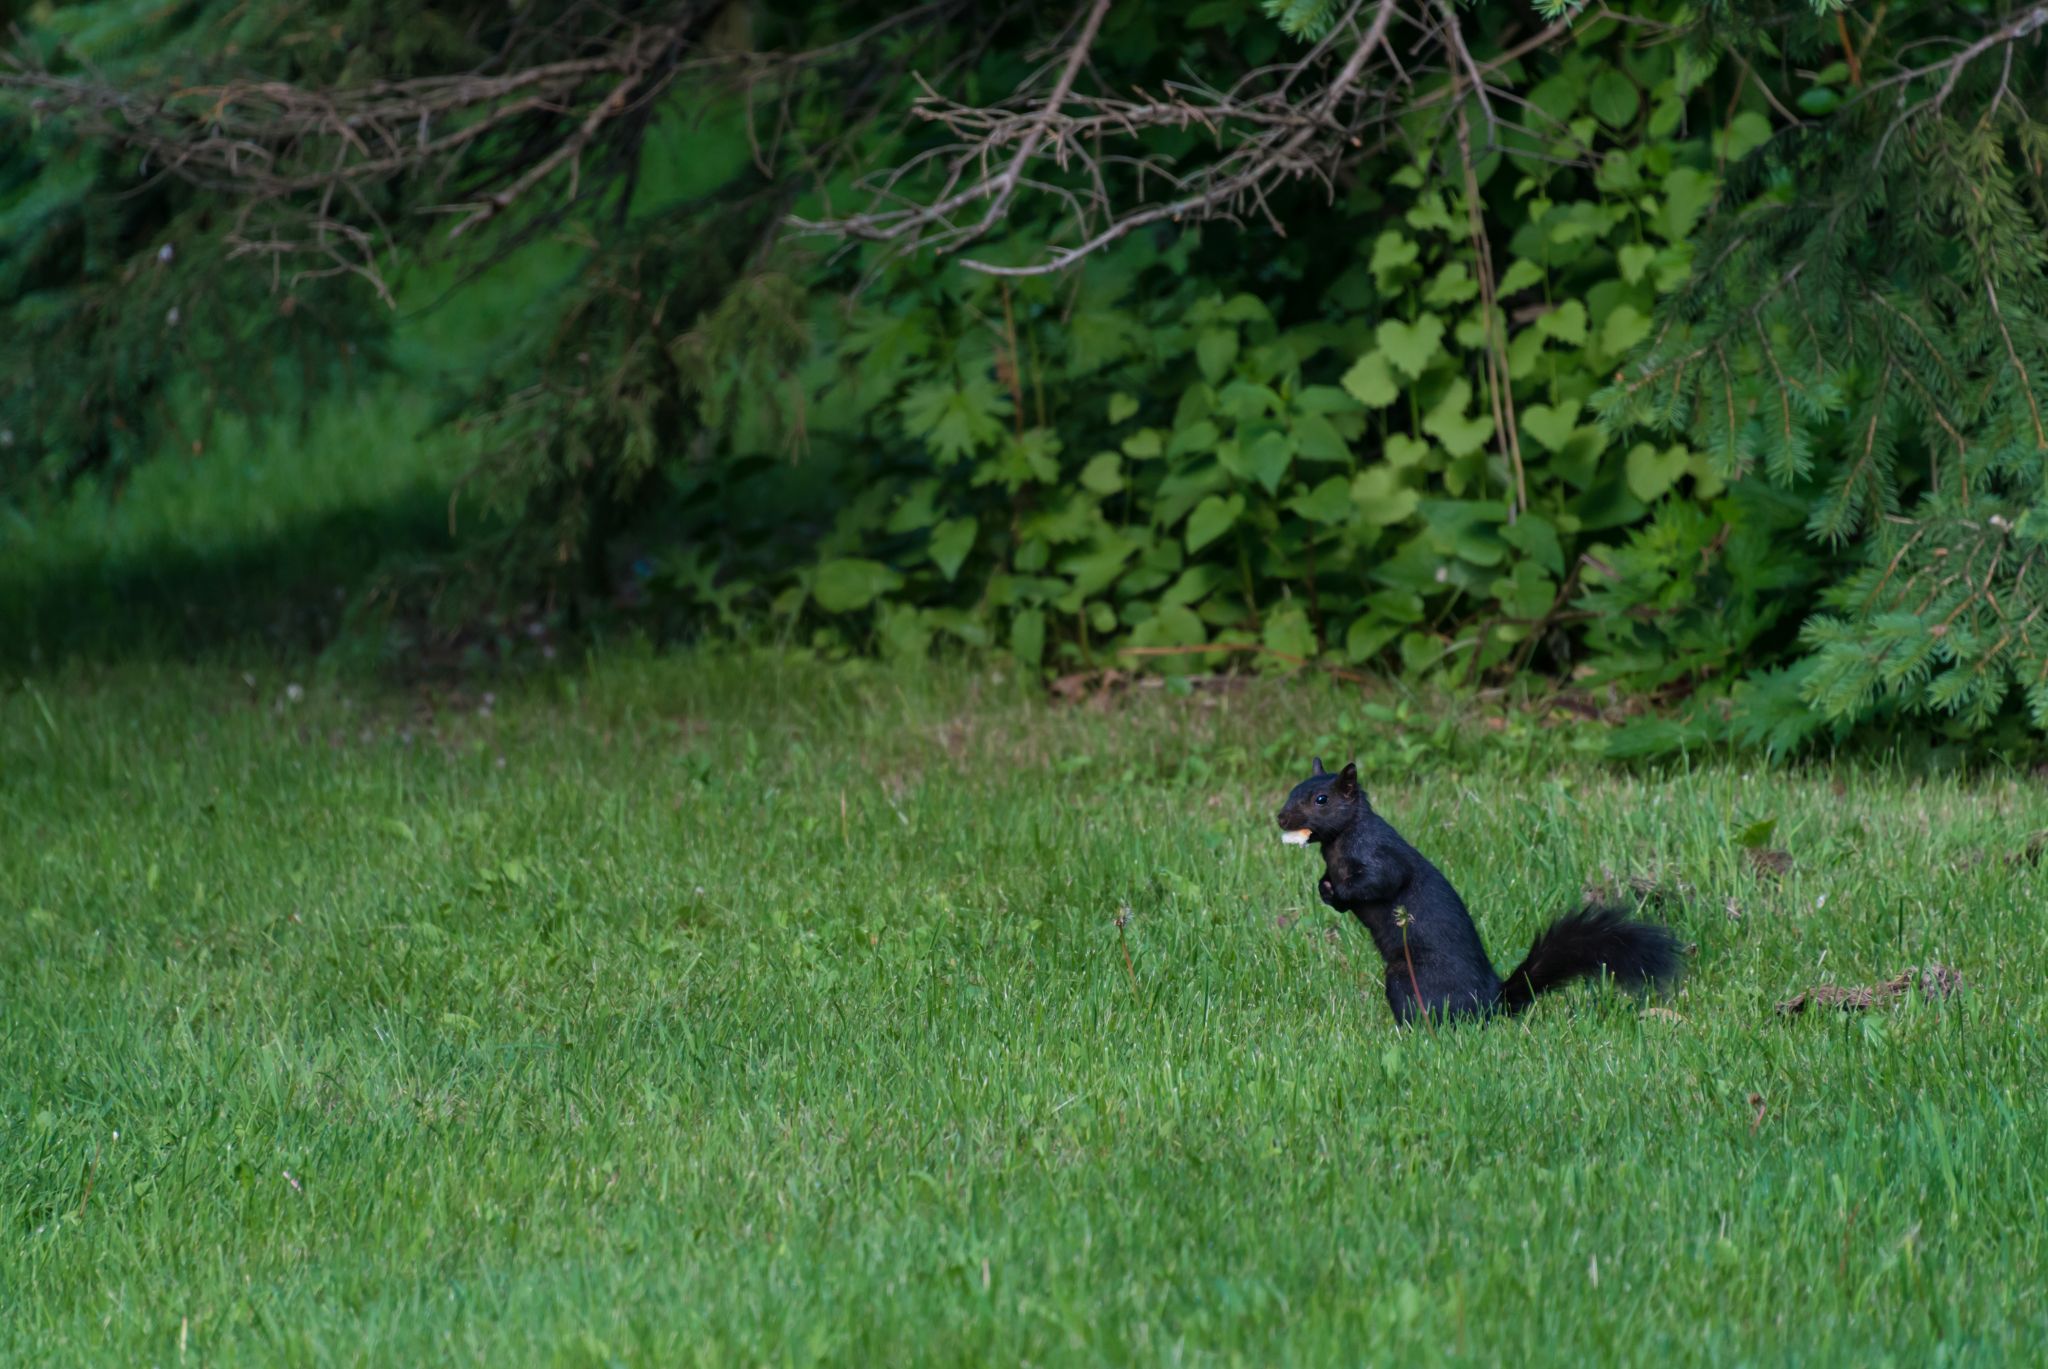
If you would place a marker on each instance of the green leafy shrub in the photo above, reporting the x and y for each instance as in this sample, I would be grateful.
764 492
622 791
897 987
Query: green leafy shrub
1180 455
1701 364
1871 342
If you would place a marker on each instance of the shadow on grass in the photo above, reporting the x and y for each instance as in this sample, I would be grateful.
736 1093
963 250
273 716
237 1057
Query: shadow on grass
281 593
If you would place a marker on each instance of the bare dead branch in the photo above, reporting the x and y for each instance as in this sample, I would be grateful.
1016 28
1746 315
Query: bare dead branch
2021 26
1342 99
316 173
318 169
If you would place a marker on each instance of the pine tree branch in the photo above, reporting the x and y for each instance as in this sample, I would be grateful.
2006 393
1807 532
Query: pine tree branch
2023 25
2012 354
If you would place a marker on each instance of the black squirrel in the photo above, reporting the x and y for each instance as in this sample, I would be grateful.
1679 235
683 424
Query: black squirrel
1435 962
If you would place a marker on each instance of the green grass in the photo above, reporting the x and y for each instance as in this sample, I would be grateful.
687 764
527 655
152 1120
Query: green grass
248 549
727 1010
730 1010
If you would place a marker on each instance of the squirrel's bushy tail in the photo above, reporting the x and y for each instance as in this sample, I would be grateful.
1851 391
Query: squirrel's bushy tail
1637 955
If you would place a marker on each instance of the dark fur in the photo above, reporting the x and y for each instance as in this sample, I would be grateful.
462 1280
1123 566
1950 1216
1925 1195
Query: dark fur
1435 961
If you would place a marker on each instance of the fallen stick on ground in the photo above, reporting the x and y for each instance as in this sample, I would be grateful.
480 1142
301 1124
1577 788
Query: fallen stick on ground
1936 981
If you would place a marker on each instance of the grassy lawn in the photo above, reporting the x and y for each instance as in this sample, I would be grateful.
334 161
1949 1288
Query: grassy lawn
727 1010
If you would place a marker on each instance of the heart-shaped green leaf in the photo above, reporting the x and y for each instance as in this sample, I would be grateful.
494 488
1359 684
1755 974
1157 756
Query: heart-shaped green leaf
1121 407
1403 450
1536 537
1673 267
1551 425
1329 502
1634 260
1746 132
1707 480
1381 498
1245 308
1212 518
850 583
1461 433
1453 285
1214 351
1370 382
1467 529
952 540
1367 636
1287 630
1317 439
1268 458
1526 592
1566 323
1103 473
1522 273
1614 98
1410 347
1687 192
1625 327
1027 636
1818 100
1579 222
1199 436
1390 254
1095 569
1324 399
1172 625
1243 401
1651 472
917 510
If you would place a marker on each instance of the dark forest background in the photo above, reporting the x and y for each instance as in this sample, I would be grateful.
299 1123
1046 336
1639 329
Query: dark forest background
1680 363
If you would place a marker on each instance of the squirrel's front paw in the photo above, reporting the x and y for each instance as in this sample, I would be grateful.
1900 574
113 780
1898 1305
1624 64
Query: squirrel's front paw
1328 890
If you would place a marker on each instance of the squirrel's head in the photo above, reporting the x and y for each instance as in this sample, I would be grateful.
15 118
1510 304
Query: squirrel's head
1322 805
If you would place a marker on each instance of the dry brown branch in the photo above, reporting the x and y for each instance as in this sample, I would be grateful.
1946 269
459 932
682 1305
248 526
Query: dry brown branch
2021 26
1301 119
1500 394
1936 981
318 171
315 174
294 158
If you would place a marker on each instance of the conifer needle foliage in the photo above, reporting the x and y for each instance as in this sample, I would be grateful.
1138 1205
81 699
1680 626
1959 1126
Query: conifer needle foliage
1867 325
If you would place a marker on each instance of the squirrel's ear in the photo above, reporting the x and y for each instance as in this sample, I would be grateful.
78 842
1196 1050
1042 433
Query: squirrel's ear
1347 779
1317 767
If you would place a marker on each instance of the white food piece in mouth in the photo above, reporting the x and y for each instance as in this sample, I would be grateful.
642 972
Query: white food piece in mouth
1298 837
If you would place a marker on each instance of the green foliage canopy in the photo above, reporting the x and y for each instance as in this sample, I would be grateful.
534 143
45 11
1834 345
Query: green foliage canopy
1697 355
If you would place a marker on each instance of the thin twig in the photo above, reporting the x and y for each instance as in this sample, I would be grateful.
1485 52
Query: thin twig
1265 135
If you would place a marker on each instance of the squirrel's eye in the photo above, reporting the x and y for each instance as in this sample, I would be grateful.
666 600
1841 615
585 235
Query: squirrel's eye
1322 798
